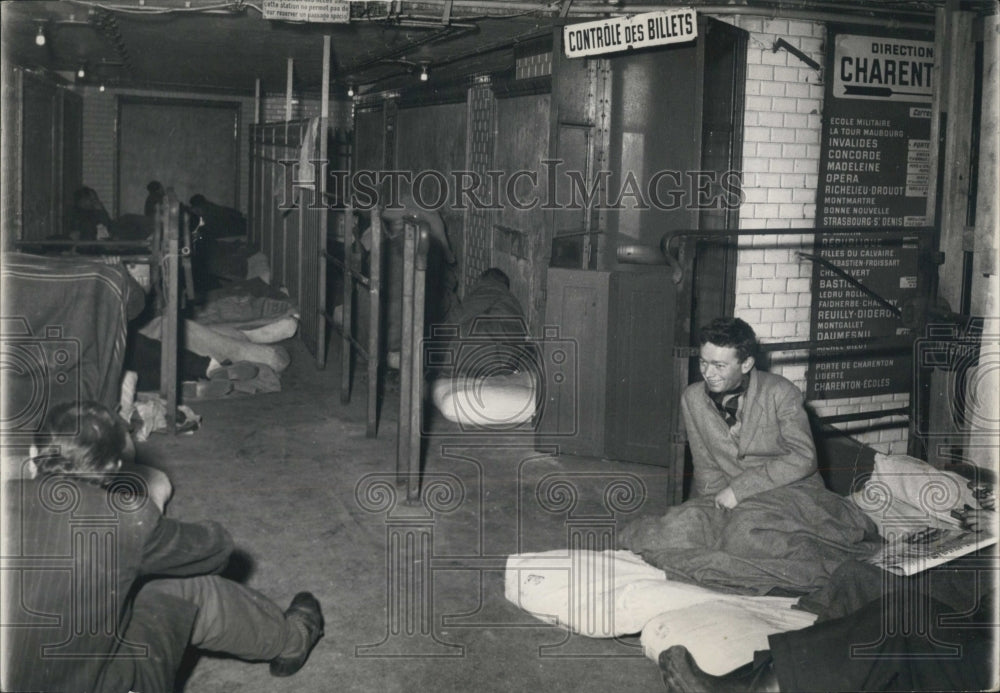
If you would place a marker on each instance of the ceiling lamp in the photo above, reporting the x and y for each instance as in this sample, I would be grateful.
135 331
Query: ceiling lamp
423 73
350 90
40 36
81 72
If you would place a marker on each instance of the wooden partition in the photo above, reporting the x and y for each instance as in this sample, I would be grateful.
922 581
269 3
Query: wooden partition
288 216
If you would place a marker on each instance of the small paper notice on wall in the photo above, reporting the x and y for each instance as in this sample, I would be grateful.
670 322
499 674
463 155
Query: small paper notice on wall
323 11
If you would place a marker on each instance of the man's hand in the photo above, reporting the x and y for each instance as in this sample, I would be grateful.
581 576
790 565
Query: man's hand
981 521
726 498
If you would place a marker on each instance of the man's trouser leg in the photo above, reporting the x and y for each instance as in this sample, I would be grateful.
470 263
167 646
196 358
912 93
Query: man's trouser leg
864 652
231 618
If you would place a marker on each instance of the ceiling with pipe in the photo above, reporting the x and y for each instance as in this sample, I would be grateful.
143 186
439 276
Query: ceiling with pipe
225 45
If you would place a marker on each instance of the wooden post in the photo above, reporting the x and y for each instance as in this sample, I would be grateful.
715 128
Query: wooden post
289 73
958 89
416 357
982 447
252 203
374 312
319 181
169 335
406 374
256 101
953 111
347 306
284 218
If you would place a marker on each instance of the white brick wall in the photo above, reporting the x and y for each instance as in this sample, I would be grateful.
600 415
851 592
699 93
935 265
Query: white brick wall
783 123
273 109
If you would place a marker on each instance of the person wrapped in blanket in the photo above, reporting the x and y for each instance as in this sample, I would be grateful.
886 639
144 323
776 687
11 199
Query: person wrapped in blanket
481 362
490 322
761 520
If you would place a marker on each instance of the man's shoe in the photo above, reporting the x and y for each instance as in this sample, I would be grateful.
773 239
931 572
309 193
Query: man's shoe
305 610
682 675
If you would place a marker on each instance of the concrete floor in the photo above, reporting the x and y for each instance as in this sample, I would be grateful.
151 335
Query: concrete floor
312 505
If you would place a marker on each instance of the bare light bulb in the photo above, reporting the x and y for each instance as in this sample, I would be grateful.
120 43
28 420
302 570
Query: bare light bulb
350 90
81 73
40 37
423 74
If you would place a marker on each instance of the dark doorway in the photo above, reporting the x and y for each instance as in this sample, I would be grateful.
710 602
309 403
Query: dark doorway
192 146
714 277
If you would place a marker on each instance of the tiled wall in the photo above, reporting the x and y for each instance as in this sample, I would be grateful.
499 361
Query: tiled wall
533 66
783 121
273 109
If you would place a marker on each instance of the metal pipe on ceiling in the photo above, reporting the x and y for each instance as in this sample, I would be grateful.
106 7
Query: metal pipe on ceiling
772 12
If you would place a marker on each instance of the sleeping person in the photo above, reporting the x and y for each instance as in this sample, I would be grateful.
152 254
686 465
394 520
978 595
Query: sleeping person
217 221
491 322
761 518
482 364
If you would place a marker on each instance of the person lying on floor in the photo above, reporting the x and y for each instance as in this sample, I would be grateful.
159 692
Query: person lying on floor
158 588
761 518
490 318
482 366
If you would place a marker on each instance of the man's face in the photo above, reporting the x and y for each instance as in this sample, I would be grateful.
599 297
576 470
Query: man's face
721 367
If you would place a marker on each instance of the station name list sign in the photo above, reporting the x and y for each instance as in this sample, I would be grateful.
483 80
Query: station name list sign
874 176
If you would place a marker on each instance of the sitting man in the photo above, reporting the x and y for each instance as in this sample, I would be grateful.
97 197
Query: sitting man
157 193
762 519
129 588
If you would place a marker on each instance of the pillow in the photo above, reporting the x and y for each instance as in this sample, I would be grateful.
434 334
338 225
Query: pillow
905 494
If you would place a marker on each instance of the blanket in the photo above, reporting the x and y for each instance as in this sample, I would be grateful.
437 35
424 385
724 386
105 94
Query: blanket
488 332
606 594
64 328
790 540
